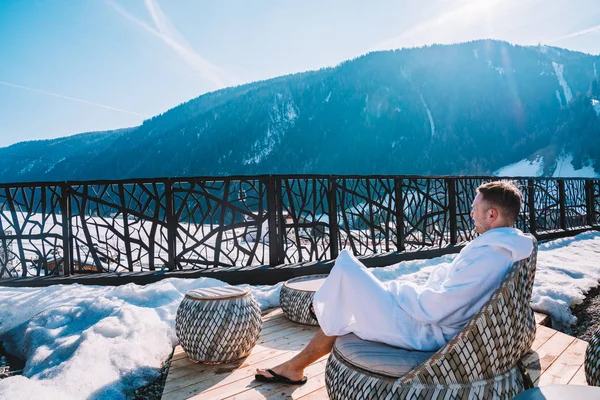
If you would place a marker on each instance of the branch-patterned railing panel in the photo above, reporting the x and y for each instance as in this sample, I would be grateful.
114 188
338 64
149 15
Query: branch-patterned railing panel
465 195
575 204
201 223
30 231
524 219
118 227
220 223
547 205
595 202
426 213
366 215
305 220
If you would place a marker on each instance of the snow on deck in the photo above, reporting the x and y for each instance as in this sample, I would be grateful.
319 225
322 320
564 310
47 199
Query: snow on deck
83 341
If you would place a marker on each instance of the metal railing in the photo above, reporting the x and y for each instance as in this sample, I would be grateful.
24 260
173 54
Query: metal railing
208 222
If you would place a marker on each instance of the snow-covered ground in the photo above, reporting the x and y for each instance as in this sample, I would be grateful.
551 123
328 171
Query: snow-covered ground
523 168
564 168
83 342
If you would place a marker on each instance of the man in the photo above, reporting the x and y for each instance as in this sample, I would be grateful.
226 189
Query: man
402 314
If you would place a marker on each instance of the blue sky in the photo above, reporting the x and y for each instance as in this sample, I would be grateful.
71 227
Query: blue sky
72 66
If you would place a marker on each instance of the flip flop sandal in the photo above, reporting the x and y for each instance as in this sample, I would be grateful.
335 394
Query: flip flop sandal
312 313
276 378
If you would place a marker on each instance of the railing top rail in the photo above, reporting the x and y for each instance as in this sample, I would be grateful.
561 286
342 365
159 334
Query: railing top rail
275 176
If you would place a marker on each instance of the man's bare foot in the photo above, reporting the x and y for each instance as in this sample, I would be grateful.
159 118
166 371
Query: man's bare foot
285 370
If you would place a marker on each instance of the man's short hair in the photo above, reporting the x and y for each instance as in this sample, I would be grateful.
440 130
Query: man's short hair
504 195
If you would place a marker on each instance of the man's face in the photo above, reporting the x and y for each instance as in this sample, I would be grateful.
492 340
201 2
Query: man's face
479 214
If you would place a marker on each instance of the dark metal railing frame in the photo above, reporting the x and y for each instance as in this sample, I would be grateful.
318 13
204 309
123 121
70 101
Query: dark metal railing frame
274 208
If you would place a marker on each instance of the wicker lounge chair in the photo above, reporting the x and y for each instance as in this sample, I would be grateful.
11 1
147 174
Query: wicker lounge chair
482 361
592 360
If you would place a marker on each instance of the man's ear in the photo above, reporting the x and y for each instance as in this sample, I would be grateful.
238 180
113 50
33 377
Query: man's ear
493 213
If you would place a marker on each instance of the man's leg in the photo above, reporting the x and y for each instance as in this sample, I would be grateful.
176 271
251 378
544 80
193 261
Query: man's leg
293 369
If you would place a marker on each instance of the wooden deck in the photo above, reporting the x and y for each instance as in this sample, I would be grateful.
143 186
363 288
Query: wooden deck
555 358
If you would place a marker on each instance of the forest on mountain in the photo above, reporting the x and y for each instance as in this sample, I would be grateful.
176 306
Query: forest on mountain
463 109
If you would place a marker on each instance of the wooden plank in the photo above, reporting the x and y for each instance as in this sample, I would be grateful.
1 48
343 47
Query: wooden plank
289 331
315 383
282 343
542 319
198 384
250 389
278 338
205 376
267 327
278 326
565 366
294 343
259 353
542 335
579 377
538 361
270 313
320 394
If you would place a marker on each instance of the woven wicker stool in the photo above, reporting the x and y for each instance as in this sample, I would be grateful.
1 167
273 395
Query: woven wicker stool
220 324
592 360
296 298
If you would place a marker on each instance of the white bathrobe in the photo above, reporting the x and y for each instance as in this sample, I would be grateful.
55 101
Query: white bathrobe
402 314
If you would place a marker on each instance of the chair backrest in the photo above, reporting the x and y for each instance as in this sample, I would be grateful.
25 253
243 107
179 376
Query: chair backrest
493 340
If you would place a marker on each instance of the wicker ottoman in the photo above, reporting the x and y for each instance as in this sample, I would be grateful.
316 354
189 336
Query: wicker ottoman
592 360
217 325
296 298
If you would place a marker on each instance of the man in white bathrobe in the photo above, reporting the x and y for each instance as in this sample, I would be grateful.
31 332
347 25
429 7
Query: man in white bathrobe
402 314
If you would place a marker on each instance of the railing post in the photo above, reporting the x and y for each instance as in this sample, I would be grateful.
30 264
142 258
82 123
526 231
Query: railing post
589 202
561 200
452 207
332 211
171 224
125 216
65 209
274 231
531 202
399 211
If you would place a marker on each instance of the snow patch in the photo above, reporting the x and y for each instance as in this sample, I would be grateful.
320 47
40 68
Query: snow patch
559 69
476 54
290 113
523 168
328 97
431 124
283 116
559 98
126 332
28 167
596 105
499 70
262 148
53 165
565 169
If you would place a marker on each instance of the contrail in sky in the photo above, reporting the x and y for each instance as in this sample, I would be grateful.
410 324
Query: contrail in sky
73 99
165 31
578 33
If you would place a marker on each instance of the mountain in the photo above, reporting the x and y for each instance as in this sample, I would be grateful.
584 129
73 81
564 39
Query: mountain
470 108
